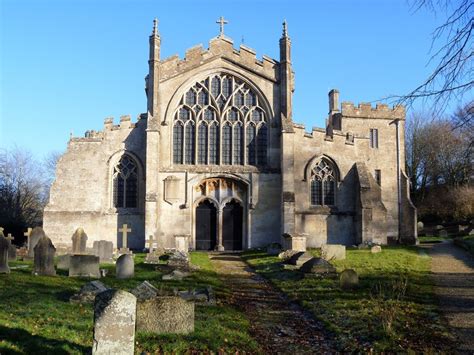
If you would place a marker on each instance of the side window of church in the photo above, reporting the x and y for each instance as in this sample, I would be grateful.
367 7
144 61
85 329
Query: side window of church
220 120
125 181
374 138
323 184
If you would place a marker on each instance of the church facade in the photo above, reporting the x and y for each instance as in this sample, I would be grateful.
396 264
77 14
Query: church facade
218 160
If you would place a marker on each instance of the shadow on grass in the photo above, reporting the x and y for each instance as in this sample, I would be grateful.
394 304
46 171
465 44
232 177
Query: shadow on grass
36 344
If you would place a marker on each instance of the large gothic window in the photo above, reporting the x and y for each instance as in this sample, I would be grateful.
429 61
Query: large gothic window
323 184
125 181
220 120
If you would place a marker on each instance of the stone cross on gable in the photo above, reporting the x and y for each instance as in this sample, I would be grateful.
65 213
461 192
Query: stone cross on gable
124 230
221 23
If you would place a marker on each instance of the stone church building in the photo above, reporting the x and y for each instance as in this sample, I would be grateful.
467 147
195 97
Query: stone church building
218 159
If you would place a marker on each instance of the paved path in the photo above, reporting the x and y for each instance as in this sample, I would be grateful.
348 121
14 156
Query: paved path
453 273
278 325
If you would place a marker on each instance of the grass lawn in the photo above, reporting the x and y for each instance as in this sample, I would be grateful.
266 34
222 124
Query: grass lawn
393 310
431 239
36 316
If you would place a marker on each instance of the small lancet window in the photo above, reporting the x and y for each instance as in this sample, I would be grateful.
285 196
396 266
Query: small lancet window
125 181
323 184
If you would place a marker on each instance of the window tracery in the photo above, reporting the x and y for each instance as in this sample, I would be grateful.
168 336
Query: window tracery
125 183
230 122
323 183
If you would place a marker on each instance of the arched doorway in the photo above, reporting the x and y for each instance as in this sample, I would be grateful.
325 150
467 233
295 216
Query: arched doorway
206 226
232 223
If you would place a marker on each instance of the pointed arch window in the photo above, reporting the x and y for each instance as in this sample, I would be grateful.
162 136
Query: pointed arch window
125 183
323 184
236 129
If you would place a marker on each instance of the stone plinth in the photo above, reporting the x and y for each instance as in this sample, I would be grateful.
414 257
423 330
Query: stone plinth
333 252
297 242
84 266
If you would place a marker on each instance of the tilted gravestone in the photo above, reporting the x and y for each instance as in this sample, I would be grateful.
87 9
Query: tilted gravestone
114 323
300 258
145 291
318 267
4 245
104 250
11 248
348 279
165 314
44 257
84 266
125 266
36 234
79 241
88 292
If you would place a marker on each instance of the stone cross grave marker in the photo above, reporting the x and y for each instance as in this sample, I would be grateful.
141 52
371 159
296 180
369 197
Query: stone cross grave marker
4 244
151 243
27 235
124 230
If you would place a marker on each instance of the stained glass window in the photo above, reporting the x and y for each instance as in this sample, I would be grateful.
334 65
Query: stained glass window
251 158
178 143
125 183
189 144
214 144
262 145
202 144
226 144
238 156
323 183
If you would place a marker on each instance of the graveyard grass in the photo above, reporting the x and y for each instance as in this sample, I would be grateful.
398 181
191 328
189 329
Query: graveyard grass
36 316
392 310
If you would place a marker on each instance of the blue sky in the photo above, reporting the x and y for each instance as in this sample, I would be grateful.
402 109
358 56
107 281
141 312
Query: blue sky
66 65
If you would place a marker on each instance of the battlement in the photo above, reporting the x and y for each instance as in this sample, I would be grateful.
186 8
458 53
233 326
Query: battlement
220 46
97 136
365 110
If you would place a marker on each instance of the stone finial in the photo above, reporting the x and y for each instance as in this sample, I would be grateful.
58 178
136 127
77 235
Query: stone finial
155 27
285 28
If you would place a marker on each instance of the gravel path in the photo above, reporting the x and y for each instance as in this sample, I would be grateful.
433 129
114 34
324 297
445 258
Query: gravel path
453 273
279 325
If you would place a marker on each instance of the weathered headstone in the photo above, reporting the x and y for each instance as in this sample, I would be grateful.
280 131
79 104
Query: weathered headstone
114 323
79 241
36 234
11 248
202 296
88 292
176 275
300 258
182 242
420 225
145 291
63 262
348 279
273 249
287 254
84 266
319 267
104 250
295 242
44 257
154 251
166 314
443 233
333 252
179 260
376 249
125 266
4 245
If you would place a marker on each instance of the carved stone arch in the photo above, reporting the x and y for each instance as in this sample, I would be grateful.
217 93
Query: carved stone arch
204 198
310 164
230 199
188 84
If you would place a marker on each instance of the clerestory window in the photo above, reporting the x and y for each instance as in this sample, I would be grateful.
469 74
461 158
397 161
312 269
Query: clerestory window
323 184
125 181
230 120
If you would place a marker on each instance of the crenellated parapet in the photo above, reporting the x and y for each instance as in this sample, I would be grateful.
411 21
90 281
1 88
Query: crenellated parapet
219 47
366 110
125 124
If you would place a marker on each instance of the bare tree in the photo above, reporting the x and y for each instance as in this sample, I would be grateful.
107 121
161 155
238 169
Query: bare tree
453 51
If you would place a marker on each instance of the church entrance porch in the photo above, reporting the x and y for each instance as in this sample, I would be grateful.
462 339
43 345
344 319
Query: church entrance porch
220 215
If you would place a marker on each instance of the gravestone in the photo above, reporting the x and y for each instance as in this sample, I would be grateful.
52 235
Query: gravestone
349 280
114 323
420 226
443 233
36 234
333 252
124 230
287 254
300 258
166 314
84 266
79 241
125 266
318 267
179 260
44 257
182 242
104 250
154 252
273 249
4 245
88 292
145 291
176 275
63 262
11 248
376 249
295 242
